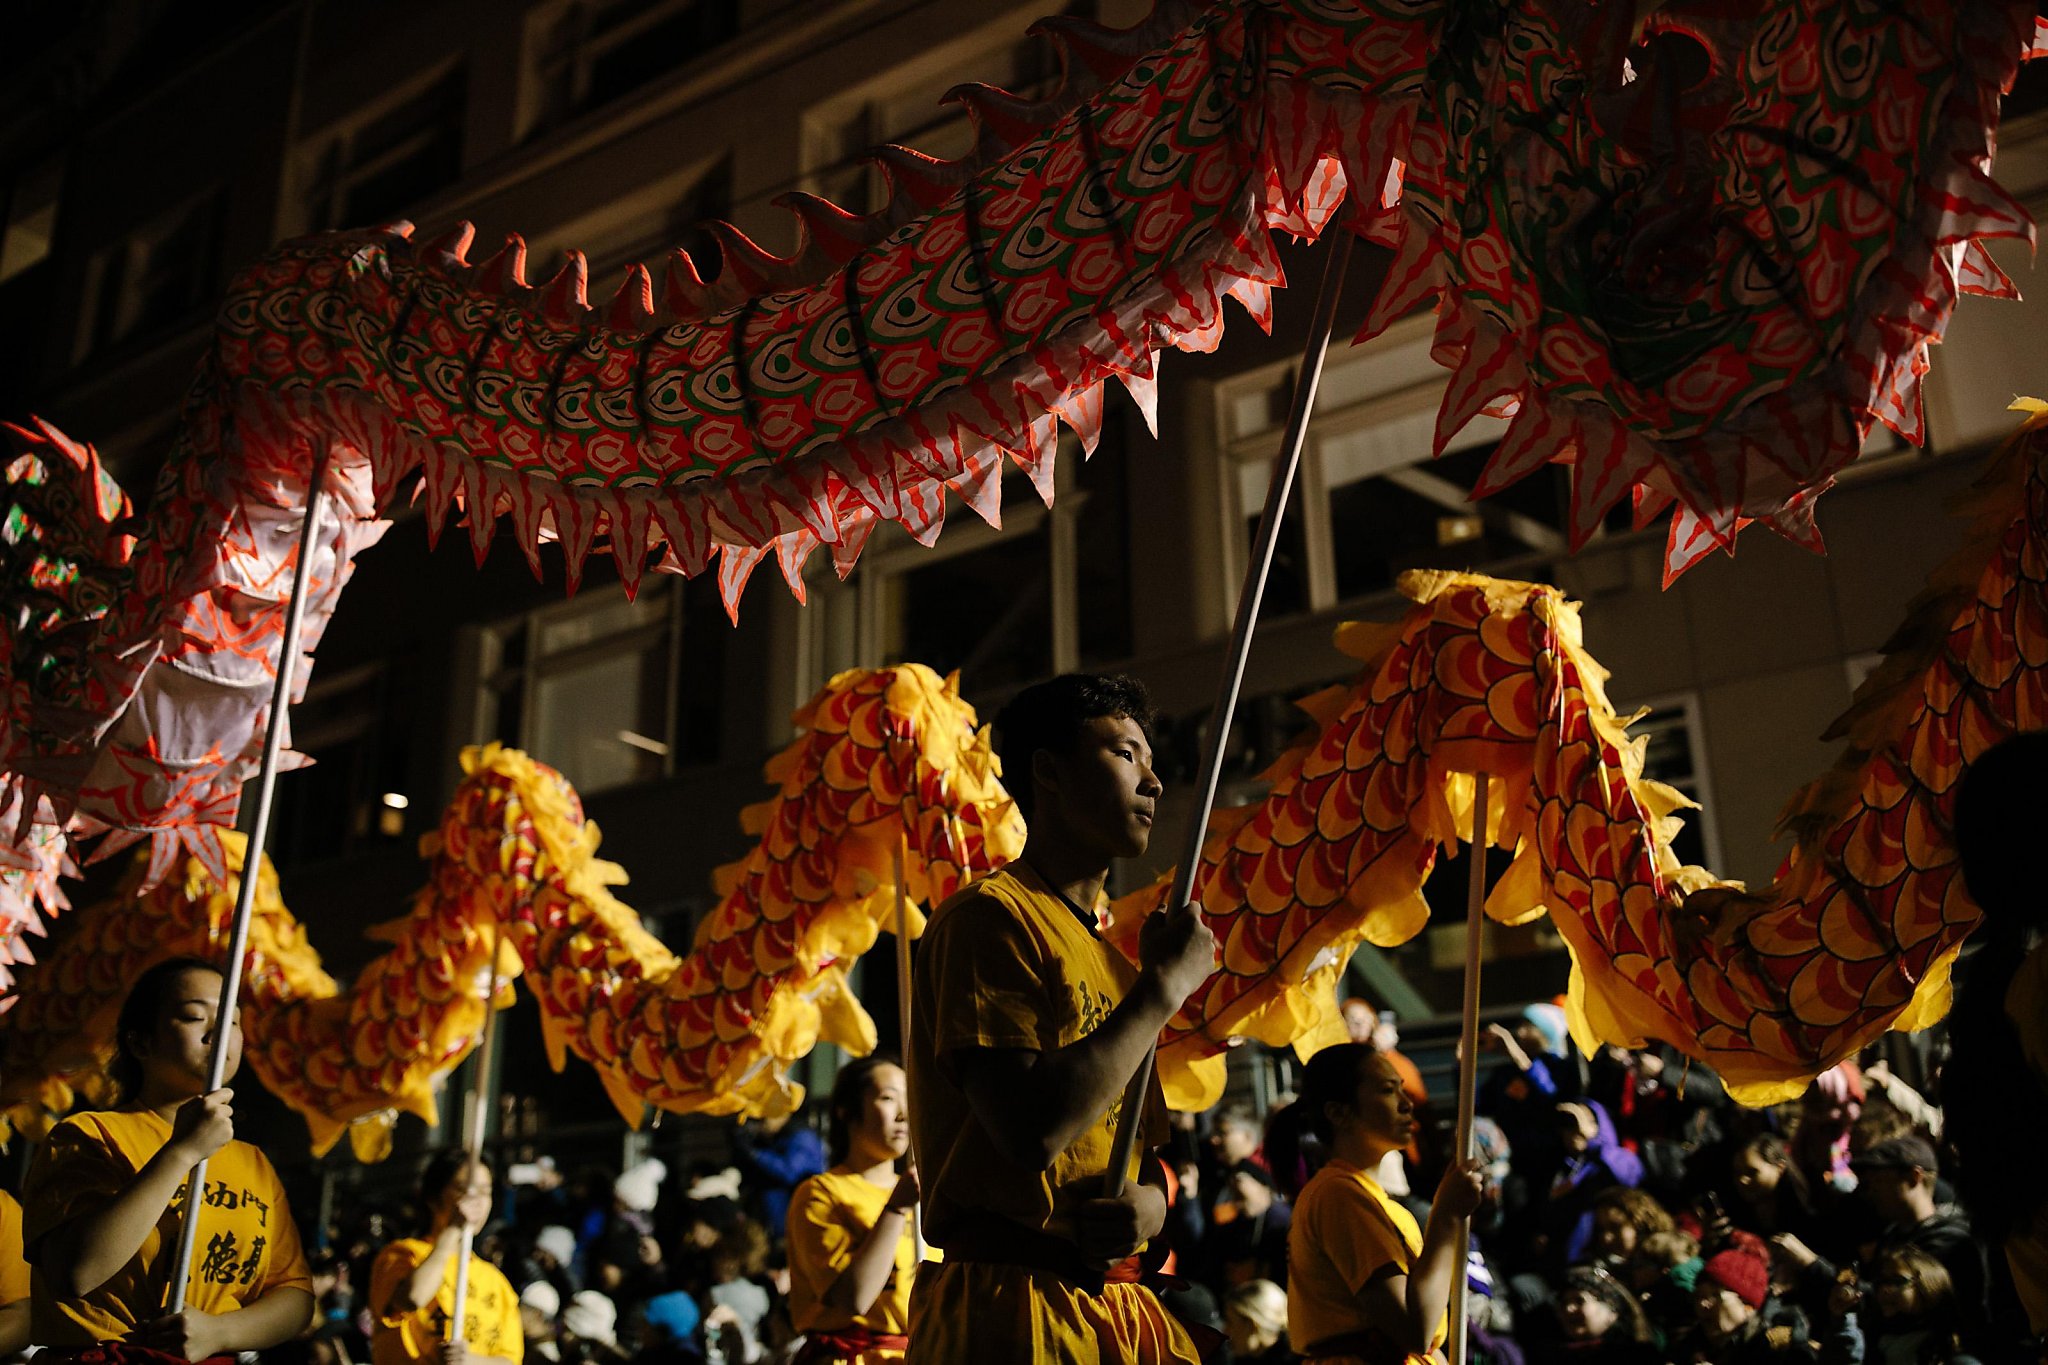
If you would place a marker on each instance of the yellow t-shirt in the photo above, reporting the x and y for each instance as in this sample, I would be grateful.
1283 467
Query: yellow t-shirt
490 1316
2026 1250
1005 964
1346 1234
830 1215
14 1285
248 1244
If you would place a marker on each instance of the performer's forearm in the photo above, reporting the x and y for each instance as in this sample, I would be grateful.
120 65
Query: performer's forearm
867 1274
272 1320
83 1254
1035 1104
418 1289
1440 1261
14 1327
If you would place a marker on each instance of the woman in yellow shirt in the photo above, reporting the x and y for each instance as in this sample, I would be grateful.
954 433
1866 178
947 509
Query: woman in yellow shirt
412 1282
106 1196
14 1283
1364 1284
852 1250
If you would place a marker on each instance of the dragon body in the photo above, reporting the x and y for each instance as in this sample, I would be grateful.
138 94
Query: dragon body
891 773
1789 233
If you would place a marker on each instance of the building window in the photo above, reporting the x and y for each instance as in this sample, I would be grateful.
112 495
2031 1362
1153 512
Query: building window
1677 756
1046 593
353 793
159 275
1370 503
589 687
381 163
584 53
905 109
31 227
646 224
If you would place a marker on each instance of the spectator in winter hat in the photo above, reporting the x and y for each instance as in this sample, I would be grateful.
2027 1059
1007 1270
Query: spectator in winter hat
539 1304
671 1320
551 1258
1255 1316
1728 1300
627 1262
639 1189
557 1244
590 1329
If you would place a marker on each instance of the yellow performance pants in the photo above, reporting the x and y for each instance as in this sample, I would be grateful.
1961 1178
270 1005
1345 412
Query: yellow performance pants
965 1313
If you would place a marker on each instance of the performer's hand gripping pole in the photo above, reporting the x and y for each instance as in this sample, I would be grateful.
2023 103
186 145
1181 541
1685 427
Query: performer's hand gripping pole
1257 569
252 861
1468 1047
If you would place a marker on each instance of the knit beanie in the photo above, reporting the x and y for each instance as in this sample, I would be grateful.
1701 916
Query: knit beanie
1742 1267
1549 1021
639 1188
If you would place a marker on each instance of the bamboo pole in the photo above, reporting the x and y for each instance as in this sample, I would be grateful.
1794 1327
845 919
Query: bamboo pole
473 1140
252 863
903 1010
1257 570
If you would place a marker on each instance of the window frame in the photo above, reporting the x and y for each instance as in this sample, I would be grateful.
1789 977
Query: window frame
37 192
1238 457
855 617
1693 723
493 676
828 159
316 206
110 310
538 69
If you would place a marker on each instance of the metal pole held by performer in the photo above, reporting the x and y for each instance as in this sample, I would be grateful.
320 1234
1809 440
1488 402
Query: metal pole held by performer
1257 570
252 861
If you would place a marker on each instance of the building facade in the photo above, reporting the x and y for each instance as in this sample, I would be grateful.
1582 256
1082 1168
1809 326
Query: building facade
149 150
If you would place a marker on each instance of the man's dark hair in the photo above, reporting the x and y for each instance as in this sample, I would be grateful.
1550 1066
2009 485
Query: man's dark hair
1050 715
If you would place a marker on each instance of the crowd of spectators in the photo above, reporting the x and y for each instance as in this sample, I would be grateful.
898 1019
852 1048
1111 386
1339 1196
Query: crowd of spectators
1632 1214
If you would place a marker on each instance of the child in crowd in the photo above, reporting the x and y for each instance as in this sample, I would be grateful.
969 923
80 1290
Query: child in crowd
1907 1315
852 1243
1600 1322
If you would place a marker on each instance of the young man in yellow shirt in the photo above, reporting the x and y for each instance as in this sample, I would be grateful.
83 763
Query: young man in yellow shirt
1025 1029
